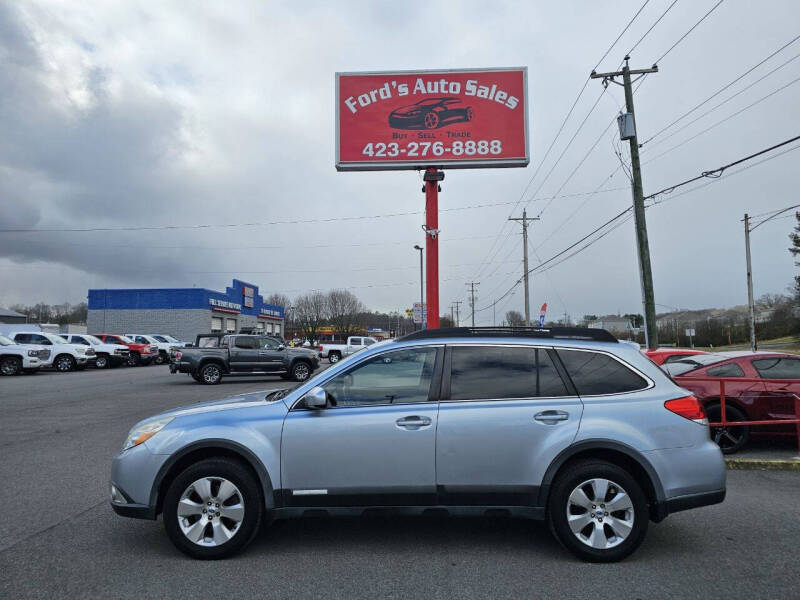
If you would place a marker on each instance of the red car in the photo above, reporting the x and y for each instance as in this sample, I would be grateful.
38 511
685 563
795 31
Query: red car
662 356
140 354
745 400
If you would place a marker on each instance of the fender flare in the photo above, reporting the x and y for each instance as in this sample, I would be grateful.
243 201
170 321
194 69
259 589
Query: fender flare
243 451
601 444
211 359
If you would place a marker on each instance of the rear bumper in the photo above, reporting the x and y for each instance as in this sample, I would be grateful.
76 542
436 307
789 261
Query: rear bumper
680 503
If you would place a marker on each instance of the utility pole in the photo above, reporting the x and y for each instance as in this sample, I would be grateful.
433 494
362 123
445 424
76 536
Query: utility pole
457 303
472 285
627 124
524 220
750 303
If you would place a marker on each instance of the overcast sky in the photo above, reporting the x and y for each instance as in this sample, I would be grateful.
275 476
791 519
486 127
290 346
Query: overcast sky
192 113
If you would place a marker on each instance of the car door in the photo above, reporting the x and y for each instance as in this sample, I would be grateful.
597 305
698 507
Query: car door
353 345
376 442
778 398
243 354
505 413
271 354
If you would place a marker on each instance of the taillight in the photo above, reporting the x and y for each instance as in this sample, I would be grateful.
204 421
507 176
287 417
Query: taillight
320 348
178 355
688 407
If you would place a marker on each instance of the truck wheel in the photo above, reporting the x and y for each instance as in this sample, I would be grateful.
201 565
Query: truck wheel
161 358
334 357
64 363
211 374
10 365
133 359
301 371
101 362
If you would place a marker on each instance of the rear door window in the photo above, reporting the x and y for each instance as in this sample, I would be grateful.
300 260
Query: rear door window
598 374
355 341
778 368
503 372
246 343
728 370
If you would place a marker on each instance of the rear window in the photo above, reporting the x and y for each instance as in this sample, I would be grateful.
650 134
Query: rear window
596 374
728 370
778 368
497 372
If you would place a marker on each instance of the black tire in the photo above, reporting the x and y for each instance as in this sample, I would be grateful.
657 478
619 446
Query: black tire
102 361
301 371
10 365
334 357
134 359
252 498
161 358
729 439
64 363
559 505
210 374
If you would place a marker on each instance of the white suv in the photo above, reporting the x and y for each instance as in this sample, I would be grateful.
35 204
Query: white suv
16 359
163 347
66 356
106 355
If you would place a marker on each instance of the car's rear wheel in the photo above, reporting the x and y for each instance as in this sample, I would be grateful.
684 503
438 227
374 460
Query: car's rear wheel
301 371
333 357
598 511
10 365
431 120
213 509
729 439
102 362
64 363
211 374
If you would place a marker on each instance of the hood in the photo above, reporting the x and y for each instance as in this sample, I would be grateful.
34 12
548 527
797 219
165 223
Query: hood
239 401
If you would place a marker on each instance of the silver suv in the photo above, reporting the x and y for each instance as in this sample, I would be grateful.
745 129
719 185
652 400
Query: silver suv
566 425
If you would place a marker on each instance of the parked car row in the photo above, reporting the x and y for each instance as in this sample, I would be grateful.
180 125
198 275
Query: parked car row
29 351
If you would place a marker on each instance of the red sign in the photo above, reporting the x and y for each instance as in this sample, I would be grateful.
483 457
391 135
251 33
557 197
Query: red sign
416 119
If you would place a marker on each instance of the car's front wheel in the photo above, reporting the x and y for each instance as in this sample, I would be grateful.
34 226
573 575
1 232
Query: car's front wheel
301 371
64 363
213 509
598 511
101 362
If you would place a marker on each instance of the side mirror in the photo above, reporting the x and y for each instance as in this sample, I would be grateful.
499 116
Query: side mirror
316 399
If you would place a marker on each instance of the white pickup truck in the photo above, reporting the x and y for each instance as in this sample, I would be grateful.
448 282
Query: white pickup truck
335 352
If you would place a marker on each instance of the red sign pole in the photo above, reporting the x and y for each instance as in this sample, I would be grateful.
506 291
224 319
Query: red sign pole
432 246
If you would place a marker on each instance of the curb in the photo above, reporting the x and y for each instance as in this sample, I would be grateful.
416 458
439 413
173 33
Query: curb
767 464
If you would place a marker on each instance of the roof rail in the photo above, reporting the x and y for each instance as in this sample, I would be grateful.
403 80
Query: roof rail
562 333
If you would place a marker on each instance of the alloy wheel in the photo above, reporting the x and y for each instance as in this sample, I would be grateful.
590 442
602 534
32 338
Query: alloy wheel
600 513
431 120
64 363
9 367
101 362
301 371
210 511
211 374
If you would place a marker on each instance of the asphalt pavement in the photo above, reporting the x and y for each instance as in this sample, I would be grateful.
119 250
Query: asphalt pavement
60 539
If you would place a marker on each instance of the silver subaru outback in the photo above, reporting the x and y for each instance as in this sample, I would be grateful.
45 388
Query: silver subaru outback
566 425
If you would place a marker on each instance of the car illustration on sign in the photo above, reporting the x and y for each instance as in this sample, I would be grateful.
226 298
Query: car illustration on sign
430 113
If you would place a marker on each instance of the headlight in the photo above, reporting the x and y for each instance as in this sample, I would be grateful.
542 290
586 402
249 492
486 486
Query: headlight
33 353
144 432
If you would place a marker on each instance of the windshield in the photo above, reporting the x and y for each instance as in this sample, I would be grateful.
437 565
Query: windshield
125 339
168 338
92 340
4 341
56 339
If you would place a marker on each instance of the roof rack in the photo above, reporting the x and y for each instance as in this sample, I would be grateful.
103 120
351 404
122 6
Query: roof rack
561 333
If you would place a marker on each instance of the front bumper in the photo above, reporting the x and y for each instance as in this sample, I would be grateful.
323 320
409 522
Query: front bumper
133 476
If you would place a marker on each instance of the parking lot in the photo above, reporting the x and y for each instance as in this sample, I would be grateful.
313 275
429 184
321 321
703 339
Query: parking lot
59 537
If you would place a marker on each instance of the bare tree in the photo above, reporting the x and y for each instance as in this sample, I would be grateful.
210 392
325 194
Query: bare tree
281 300
343 311
310 313
514 318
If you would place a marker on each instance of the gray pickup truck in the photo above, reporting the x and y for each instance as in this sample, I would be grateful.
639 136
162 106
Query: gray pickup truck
245 355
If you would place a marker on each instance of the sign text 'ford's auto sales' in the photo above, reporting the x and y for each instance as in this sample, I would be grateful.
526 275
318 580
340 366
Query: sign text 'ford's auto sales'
415 119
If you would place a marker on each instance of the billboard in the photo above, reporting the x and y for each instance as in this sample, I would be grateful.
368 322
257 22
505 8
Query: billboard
470 118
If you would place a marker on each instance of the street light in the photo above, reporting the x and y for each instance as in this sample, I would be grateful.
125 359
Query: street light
421 296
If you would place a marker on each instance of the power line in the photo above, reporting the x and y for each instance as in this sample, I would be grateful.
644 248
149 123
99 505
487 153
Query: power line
715 173
715 107
722 89
721 121
691 29
646 33
779 212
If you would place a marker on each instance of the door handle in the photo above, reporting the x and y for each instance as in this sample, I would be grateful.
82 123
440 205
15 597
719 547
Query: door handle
551 417
413 422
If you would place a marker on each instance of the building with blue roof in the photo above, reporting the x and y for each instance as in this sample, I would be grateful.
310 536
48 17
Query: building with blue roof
183 312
